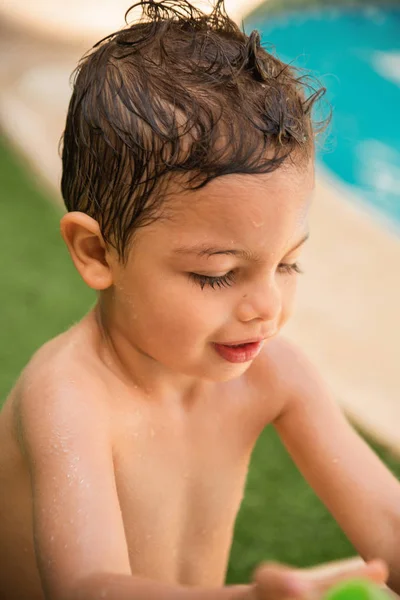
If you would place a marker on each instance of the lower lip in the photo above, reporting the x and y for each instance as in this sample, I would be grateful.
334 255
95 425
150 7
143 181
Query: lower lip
239 354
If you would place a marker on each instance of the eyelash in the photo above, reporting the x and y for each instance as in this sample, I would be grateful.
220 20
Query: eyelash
227 280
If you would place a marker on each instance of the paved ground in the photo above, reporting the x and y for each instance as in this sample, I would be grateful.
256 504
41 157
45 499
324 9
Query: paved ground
348 303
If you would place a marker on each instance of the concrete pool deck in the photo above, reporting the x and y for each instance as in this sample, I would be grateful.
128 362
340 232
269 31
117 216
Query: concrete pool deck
348 301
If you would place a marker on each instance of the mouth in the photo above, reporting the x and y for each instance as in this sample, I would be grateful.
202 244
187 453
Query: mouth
240 352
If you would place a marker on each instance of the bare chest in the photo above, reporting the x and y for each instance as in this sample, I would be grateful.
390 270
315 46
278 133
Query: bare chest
180 484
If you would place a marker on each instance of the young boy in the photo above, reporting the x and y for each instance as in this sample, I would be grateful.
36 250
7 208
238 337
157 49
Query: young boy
187 175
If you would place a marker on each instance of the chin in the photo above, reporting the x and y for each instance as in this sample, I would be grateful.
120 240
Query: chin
230 372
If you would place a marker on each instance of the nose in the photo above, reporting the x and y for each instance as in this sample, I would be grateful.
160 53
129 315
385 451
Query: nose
262 301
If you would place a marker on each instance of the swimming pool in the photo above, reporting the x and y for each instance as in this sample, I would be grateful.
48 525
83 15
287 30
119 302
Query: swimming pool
355 53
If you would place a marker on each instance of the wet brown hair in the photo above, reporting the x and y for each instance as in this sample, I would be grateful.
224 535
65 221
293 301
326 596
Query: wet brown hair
179 93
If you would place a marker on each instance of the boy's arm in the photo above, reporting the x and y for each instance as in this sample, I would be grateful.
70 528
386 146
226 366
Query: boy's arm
357 488
80 544
272 581
122 587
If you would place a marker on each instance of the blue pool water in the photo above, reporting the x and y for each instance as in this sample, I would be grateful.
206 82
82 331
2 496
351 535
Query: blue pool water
355 53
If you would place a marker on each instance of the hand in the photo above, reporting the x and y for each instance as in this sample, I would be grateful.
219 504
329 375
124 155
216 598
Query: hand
273 581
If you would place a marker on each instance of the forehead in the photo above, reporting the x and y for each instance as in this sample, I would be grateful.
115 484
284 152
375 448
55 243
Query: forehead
243 208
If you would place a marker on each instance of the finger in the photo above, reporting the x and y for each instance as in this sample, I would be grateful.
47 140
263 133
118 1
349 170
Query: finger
276 581
348 566
326 575
378 571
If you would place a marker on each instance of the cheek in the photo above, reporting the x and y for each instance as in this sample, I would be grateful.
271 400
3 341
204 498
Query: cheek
174 305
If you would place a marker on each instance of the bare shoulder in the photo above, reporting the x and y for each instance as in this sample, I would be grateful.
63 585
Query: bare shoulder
280 372
60 384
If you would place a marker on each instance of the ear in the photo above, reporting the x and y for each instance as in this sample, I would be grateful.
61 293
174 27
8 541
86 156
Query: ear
87 248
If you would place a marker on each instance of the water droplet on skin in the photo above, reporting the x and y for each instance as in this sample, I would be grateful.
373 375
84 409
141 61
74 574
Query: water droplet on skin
152 433
335 460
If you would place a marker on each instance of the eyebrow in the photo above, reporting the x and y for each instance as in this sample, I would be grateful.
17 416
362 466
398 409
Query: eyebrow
204 250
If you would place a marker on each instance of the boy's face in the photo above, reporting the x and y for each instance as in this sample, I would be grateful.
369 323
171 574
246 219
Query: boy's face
175 317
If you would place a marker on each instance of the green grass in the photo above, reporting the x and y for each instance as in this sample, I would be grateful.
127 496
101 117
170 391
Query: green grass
281 518
41 295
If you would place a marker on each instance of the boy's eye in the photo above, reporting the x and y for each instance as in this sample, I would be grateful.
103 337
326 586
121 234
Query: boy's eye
221 281
228 279
290 268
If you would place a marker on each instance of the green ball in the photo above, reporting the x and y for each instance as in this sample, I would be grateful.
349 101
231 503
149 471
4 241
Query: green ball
356 589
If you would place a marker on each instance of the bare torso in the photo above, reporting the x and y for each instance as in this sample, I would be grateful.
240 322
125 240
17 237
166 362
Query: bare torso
180 477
